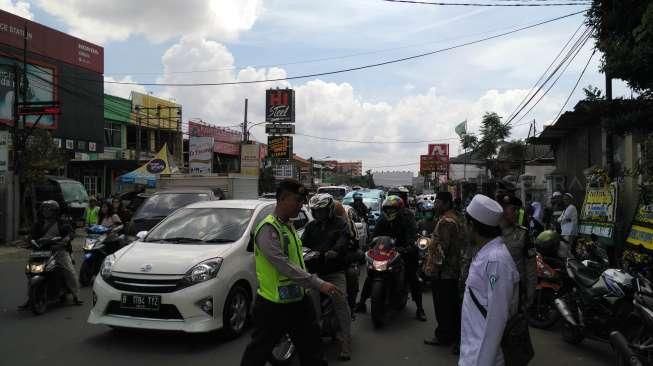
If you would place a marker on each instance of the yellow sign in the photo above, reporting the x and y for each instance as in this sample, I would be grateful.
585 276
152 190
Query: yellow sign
249 160
159 165
155 112
640 235
600 204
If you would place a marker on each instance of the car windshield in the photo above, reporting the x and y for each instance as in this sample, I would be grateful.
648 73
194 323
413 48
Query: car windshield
202 225
372 204
73 192
337 193
164 203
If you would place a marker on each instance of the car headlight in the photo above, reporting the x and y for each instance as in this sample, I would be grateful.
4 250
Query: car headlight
202 272
105 270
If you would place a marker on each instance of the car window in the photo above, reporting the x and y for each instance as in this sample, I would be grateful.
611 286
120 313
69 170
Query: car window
337 193
262 215
202 225
73 192
161 205
300 221
47 191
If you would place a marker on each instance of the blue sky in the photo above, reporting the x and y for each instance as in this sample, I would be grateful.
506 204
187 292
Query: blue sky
153 41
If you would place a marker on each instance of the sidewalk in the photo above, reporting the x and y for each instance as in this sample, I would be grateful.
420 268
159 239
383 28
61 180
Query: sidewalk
18 251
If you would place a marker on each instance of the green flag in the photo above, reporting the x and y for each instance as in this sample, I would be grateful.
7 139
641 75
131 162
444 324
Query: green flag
461 129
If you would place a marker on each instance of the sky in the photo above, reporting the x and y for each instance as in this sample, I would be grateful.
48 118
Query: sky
414 102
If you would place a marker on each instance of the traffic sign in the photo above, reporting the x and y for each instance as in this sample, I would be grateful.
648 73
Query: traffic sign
279 129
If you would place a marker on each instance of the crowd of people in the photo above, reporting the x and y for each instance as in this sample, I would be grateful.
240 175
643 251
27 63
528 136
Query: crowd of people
481 265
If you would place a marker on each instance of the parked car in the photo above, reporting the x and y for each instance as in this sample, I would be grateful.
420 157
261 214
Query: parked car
373 199
338 192
191 273
69 194
162 203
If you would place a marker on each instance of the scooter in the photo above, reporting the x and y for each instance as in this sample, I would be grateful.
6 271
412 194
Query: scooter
386 271
45 280
101 241
552 283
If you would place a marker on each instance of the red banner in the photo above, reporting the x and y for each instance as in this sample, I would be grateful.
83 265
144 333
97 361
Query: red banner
50 43
226 141
440 151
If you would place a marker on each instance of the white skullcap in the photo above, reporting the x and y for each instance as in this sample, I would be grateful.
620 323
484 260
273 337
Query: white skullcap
556 194
569 195
485 210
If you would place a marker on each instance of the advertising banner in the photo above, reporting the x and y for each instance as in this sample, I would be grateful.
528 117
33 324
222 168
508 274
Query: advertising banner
641 231
280 147
440 151
50 43
428 164
250 161
40 88
225 141
4 151
200 155
597 215
280 105
156 112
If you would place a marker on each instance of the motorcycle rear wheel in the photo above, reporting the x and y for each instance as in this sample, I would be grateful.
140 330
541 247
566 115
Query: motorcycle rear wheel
542 313
38 299
378 299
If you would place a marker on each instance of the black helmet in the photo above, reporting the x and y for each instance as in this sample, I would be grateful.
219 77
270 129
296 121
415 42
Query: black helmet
547 243
49 208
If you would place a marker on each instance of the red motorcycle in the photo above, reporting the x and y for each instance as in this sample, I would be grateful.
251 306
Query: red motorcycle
551 284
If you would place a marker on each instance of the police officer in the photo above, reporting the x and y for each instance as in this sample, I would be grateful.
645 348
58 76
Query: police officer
281 305
491 288
521 248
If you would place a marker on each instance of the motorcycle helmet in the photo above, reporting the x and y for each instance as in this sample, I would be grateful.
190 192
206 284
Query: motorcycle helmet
358 197
322 206
391 206
547 243
49 208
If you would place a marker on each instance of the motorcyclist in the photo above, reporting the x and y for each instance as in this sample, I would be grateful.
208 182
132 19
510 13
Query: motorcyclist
427 214
50 225
354 257
399 223
359 206
328 234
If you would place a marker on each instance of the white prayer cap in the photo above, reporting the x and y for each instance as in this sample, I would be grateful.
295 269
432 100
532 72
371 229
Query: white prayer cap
485 210
556 194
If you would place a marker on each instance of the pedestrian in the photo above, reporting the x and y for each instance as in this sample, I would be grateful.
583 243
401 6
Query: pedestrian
329 235
355 256
281 305
491 288
568 225
521 248
443 264
91 212
556 211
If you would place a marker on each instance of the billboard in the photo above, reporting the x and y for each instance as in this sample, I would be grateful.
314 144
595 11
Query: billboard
225 141
50 43
427 164
440 151
40 88
280 105
280 147
250 162
156 112
200 154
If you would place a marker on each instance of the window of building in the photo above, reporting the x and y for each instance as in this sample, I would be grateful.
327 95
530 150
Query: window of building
112 134
91 185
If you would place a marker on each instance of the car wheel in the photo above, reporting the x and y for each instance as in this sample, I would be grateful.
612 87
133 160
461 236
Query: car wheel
236 311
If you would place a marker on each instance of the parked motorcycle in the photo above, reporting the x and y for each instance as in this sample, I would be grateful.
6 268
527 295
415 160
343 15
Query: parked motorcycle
423 243
599 302
552 283
640 336
44 276
284 351
386 271
101 241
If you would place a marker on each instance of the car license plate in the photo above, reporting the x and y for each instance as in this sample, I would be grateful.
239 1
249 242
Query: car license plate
143 302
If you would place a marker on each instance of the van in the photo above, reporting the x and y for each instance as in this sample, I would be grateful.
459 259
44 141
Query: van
338 192
69 194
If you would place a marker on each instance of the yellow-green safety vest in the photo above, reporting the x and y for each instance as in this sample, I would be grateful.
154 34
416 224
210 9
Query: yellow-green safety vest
272 285
91 215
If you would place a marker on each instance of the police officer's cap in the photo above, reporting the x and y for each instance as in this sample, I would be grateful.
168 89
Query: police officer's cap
291 186
444 196
485 210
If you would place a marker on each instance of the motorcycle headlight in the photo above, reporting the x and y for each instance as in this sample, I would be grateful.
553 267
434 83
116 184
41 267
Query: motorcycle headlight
89 244
105 270
202 272
423 243
35 268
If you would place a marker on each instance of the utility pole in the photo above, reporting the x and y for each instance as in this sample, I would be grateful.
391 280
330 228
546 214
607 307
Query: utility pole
607 135
245 133
138 134
311 173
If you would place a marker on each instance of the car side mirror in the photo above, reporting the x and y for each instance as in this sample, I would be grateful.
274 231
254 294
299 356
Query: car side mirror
141 235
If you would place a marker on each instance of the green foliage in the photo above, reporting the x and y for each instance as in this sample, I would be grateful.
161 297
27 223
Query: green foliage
493 131
513 150
40 157
468 142
624 34
593 93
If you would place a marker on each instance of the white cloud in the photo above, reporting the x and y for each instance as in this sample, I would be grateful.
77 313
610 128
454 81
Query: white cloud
333 110
160 20
122 90
20 8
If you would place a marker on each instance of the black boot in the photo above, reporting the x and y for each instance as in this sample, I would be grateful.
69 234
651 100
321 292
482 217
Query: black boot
420 315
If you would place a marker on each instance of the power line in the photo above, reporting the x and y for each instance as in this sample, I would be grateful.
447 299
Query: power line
488 4
375 142
575 86
392 166
369 66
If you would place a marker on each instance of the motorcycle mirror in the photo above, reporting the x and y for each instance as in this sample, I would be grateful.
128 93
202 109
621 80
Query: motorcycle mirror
141 235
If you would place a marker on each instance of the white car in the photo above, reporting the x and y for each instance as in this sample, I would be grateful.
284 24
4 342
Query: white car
192 273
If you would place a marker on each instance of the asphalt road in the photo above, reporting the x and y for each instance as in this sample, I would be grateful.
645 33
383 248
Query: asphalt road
62 337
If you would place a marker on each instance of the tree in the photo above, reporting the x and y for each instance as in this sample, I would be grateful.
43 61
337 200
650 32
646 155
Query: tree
493 131
593 93
370 179
468 142
624 34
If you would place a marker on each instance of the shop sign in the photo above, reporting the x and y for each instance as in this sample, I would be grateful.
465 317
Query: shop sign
70 144
440 151
92 146
250 161
280 105
280 147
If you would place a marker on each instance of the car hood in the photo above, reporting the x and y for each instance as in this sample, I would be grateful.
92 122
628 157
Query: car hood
166 258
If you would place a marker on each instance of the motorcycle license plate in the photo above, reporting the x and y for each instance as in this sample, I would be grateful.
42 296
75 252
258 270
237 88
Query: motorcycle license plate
141 302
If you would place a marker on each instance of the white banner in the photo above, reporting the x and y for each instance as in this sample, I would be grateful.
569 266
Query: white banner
250 162
200 154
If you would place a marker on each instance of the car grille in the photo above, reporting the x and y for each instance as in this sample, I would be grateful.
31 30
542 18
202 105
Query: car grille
165 312
148 286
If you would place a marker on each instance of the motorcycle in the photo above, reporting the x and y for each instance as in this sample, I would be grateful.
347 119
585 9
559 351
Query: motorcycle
640 344
101 241
386 271
422 243
599 302
284 350
45 280
625 356
552 283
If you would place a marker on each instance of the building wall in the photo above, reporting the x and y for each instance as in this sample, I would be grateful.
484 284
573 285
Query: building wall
391 179
469 171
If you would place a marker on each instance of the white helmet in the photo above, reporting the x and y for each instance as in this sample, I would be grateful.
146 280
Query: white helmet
322 206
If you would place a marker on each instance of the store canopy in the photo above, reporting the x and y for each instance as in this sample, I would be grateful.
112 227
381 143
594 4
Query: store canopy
148 173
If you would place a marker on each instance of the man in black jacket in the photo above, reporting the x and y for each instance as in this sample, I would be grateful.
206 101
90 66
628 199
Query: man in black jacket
328 234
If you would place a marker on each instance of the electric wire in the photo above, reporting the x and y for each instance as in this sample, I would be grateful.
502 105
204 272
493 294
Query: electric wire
488 4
